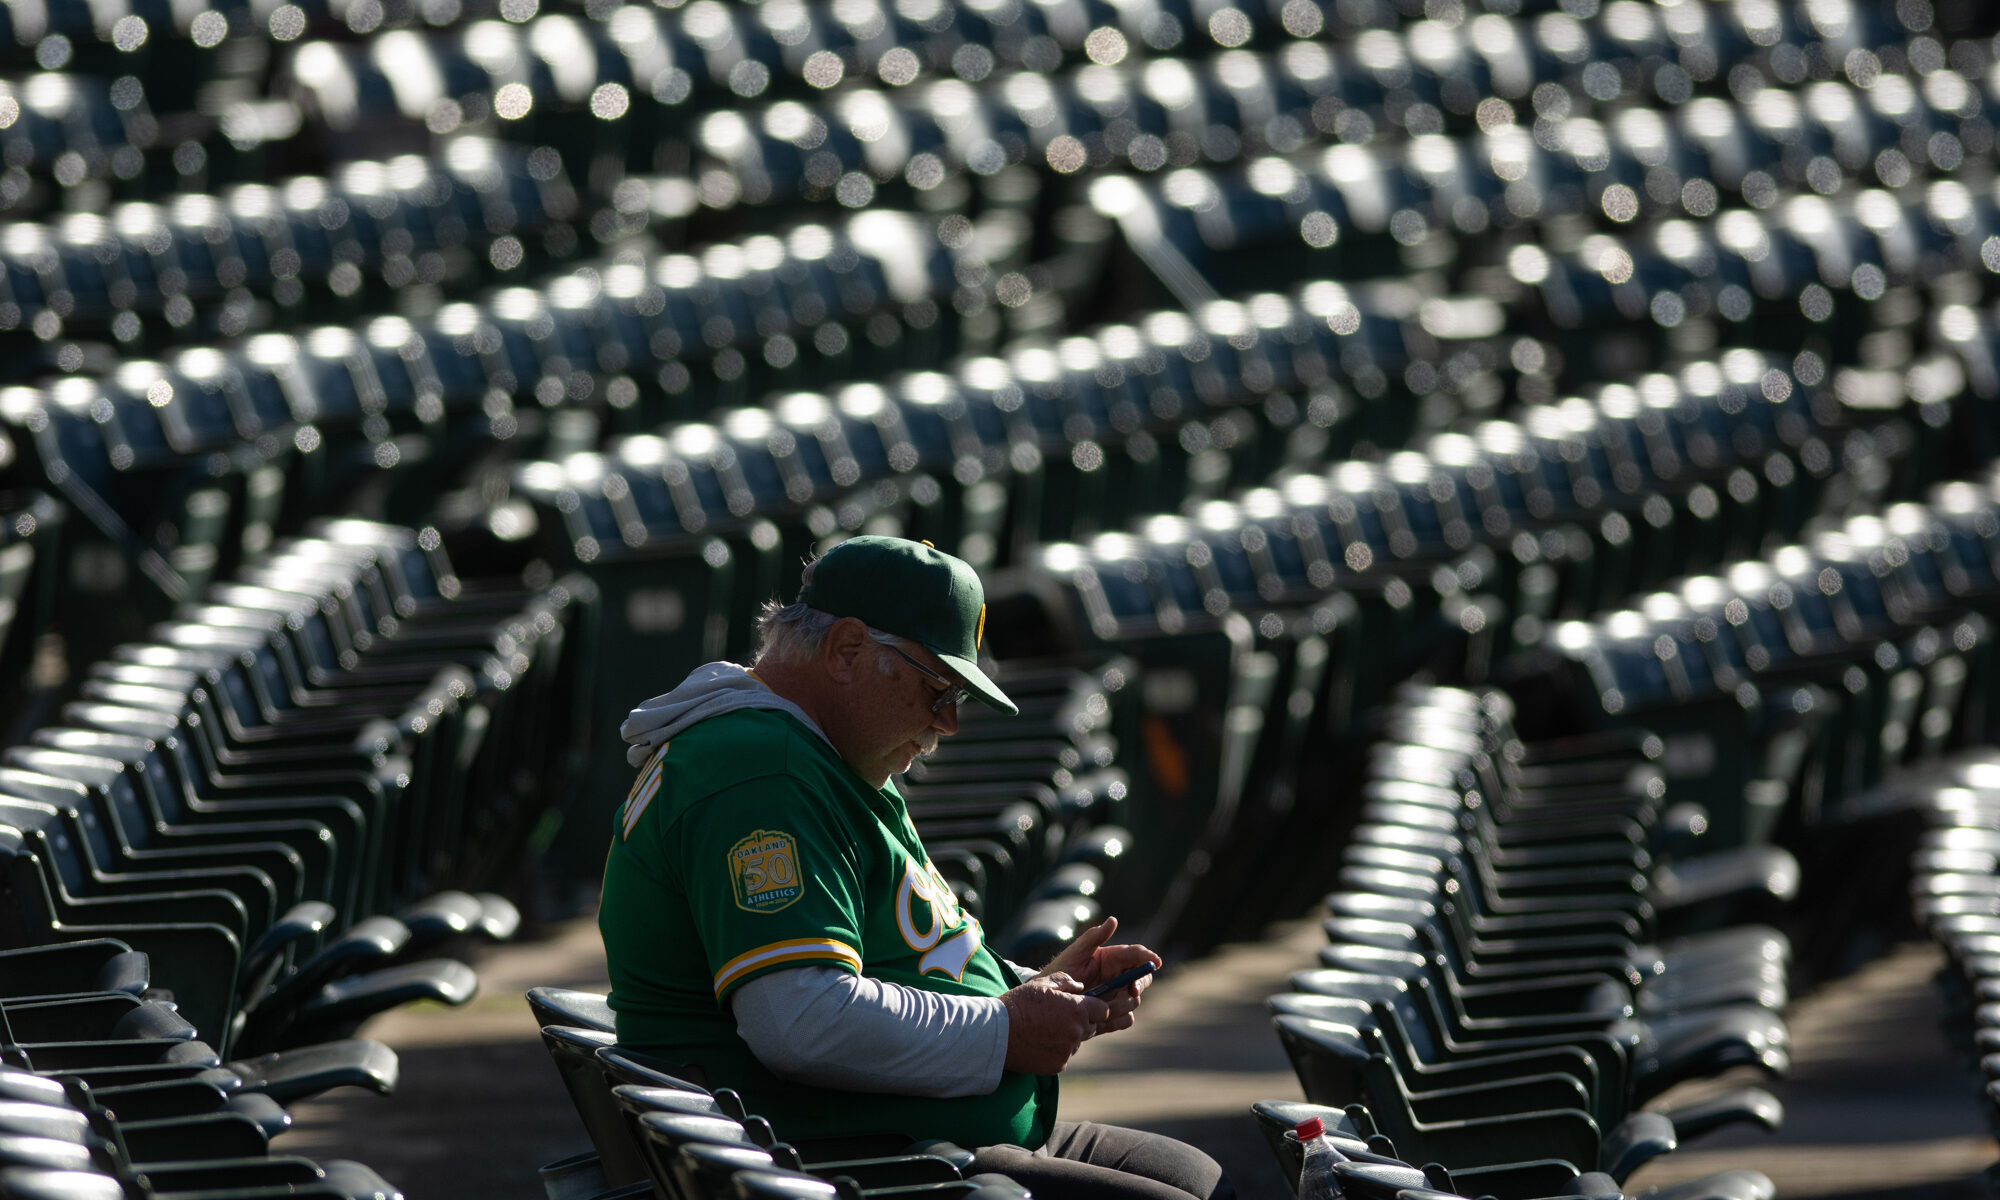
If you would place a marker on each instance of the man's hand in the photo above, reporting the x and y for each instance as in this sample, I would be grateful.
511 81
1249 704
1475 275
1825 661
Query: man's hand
1090 962
1048 1017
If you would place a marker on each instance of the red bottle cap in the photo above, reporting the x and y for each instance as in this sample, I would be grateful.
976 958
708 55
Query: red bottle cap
1310 1128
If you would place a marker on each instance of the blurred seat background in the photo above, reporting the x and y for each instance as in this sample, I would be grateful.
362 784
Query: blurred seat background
1515 480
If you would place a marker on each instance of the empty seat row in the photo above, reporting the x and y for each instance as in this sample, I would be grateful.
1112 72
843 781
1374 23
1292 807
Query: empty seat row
1150 118
208 267
1951 840
187 466
107 1093
343 734
1844 278
1807 688
277 815
76 140
1506 981
1236 527
376 450
1883 624
1429 77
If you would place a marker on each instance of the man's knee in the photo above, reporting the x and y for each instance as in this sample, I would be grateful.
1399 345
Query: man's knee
1190 1169
1150 1155
1054 1178
1223 1189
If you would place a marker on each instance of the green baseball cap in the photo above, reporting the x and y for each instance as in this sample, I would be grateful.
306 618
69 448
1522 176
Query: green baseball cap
915 591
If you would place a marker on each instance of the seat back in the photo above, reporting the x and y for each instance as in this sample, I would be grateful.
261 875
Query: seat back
772 1185
575 1054
623 1065
567 1007
635 1103
701 1170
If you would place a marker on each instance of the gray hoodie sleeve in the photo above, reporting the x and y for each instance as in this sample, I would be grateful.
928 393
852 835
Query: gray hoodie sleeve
829 1028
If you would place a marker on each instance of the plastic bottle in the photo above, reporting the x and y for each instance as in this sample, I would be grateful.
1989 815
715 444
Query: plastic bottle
1317 1180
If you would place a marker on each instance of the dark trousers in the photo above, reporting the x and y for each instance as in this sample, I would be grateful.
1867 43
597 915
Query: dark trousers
1086 1161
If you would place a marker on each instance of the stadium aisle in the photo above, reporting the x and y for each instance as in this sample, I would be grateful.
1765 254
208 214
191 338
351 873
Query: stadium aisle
1877 1106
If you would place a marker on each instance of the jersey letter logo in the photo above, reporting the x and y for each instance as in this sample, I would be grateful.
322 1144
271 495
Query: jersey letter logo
947 955
764 868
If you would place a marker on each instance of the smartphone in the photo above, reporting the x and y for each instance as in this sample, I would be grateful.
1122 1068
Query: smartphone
1123 980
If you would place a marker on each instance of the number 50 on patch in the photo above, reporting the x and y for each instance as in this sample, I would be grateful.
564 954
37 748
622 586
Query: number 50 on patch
764 868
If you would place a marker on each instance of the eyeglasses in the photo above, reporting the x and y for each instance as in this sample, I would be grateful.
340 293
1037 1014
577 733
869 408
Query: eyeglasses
954 694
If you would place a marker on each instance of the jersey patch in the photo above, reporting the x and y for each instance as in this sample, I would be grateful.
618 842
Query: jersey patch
764 869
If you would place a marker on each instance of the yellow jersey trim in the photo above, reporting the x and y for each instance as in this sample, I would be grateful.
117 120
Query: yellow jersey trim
796 950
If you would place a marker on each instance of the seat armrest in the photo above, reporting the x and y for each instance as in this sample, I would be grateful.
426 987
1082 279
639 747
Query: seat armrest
1748 871
1752 1104
298 1074
358 997
443 915
355 1181
374 940
566 1006
1698 1044
953 1153
266 956
129 972
499 919
1636 1140
1738 1184
153 1021
901 1170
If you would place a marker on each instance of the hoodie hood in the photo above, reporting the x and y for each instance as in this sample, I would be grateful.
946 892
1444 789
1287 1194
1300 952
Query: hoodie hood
708 691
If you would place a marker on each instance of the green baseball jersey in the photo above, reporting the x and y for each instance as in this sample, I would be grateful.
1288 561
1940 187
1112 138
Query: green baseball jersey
747 846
